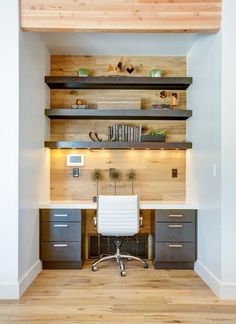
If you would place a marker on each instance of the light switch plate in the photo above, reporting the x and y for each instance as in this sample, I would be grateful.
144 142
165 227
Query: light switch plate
75 172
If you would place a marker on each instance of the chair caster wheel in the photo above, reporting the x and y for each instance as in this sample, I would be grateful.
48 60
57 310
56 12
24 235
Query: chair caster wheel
145 265
94 268
123 273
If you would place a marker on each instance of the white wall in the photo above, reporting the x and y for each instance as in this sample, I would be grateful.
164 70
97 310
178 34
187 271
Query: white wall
24 165
203 172
33 158
9 85
228 150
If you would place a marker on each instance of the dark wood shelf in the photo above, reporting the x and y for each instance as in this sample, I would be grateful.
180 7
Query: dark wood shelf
149 114
118 145
118 82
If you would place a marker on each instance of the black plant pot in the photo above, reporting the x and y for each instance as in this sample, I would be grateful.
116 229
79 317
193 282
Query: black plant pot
156 138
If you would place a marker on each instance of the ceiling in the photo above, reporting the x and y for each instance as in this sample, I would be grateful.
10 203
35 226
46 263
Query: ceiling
118 43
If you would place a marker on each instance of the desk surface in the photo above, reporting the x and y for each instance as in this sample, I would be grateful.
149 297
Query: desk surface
150 204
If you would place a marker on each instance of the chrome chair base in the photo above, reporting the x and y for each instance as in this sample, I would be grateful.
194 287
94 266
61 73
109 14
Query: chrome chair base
118 256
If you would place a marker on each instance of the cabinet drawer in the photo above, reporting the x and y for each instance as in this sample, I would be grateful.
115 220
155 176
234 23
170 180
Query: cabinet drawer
60 231
60 251
175 232
60 215
174 215
175 252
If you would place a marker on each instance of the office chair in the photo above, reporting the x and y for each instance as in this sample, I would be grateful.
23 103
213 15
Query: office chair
118 216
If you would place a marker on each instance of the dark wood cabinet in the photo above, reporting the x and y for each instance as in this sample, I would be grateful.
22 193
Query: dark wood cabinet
61 238
174 239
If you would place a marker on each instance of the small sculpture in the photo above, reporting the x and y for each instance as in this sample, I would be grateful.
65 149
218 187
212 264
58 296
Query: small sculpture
130 69
119 65
110 68
79 101
95 138
131 176
163 94
115 175
174 99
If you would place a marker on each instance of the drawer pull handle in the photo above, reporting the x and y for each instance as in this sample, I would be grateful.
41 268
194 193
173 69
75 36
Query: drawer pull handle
60 225
175 245
60 245
60 215
176 226
176 216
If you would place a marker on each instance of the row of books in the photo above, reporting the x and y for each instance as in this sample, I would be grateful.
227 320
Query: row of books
124 133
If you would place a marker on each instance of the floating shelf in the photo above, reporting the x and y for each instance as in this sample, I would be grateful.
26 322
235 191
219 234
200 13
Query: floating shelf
149 114
118 145
118 82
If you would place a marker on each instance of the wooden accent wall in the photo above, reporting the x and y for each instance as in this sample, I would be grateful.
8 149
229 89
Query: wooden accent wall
154 181
121 16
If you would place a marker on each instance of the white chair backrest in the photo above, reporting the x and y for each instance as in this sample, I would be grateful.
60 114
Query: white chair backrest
118 215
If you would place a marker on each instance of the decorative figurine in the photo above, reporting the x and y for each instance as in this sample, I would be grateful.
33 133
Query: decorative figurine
115 175
119 65
110 68
131 176
163 94
79 101
174 99
130 69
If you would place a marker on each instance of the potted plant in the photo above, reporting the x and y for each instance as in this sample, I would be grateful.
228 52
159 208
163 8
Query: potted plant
154 135
115 175
97 176
131 176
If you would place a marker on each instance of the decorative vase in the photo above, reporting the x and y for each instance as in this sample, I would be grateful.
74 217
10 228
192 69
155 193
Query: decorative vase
83 72
156 73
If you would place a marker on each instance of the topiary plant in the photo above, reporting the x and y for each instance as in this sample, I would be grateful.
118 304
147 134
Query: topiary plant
131 176
155 132
97 176
115 175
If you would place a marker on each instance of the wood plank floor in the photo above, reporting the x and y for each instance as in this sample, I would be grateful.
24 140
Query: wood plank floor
144 296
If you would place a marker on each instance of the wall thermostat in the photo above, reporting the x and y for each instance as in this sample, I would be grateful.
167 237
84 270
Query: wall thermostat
75 160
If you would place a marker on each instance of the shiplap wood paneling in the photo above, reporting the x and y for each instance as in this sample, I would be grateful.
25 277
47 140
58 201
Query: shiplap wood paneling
153 167
121 16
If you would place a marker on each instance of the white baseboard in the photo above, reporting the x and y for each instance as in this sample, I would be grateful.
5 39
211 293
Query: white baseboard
9 290
221 289
26 280
211 280
15 290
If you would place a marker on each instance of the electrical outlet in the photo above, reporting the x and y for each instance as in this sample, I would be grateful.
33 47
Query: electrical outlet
174 173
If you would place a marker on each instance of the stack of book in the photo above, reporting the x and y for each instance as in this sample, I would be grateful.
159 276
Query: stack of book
124 133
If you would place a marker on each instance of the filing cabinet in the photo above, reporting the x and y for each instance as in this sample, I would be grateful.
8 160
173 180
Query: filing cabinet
174 239
61 238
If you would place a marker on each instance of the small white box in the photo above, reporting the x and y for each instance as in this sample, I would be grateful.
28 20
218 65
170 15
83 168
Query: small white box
75 160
